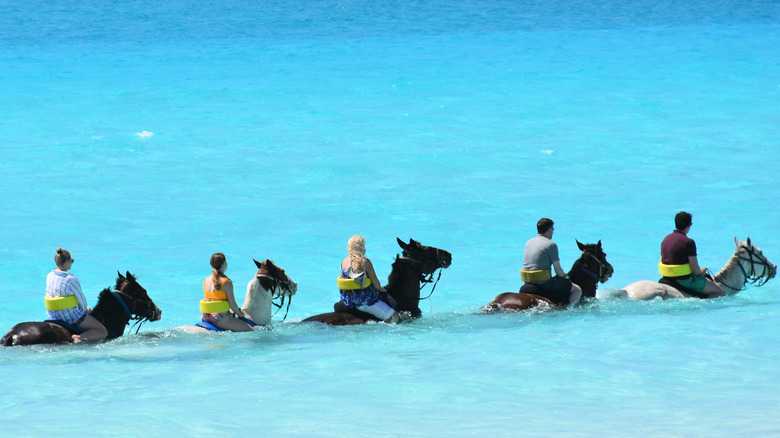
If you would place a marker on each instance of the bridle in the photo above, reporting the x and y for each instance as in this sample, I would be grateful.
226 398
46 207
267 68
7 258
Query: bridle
752 277
130 311
601 276
440 264
278 286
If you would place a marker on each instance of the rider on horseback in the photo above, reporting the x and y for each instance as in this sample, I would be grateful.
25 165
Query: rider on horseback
541 254
679 265
66 302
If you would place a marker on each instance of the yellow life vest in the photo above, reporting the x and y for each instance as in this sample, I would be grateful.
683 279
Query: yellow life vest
209 306
61 303
674 270
215 301
536 276
350 284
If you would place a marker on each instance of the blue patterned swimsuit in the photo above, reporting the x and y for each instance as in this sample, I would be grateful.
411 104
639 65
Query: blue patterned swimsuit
358 297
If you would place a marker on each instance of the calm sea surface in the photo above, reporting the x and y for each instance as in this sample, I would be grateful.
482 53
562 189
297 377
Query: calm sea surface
145 136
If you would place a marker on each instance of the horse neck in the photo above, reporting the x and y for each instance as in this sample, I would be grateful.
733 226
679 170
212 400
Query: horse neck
586 282
111 314
403 285
731 276
257 303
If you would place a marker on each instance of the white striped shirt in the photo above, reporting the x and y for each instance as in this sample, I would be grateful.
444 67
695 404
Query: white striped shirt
61 284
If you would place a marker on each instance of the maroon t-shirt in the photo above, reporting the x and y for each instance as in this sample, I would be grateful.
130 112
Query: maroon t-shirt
676 248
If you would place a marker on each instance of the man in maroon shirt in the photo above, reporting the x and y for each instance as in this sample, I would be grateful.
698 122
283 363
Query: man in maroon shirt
679 249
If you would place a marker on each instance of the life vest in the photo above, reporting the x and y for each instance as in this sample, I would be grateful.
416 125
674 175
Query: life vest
674 270
350 284
215 301
535 276
61 303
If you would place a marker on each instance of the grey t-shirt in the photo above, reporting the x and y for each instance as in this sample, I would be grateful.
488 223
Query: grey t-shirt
540 253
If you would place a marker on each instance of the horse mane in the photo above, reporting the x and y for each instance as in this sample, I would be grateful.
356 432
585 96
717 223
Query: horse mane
730 265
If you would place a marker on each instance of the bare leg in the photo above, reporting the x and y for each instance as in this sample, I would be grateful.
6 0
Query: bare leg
234 324
713 289
94 330
576 294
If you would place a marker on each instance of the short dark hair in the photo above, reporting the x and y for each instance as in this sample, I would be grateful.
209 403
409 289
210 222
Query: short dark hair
544 224
683 220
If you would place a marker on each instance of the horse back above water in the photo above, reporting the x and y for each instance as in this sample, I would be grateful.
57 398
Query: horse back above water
415 267
115 308
586 272
748 265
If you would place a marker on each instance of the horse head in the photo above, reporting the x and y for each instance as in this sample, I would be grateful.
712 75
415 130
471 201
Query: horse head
594 261
750 257
274 279
430 258
136 298
418 264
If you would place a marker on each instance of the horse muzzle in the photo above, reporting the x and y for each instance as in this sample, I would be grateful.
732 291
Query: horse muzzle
155 314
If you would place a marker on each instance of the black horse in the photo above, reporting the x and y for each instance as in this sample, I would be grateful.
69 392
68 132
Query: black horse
590 269
418 264
115 309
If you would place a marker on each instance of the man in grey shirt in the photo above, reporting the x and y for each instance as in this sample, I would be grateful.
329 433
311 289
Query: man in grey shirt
539 258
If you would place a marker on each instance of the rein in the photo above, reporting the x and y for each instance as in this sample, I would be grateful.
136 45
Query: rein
598 276
138 318
753 277
275 291
425 280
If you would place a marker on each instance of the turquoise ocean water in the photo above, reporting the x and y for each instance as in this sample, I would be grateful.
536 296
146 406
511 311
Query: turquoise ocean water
145 136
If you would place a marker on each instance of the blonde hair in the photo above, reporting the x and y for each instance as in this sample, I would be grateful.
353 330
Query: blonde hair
356 247
217 260
61 257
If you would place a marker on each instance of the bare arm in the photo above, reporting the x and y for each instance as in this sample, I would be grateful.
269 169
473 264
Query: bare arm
369 268
227 288
694 262
559 272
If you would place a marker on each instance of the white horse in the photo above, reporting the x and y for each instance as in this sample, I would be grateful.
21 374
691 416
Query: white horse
270 283
747 265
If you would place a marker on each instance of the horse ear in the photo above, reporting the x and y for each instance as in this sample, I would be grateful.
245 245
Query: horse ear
129 275
258 264
414 242
119 275
402 244
748 241
579 245
736 241
599 244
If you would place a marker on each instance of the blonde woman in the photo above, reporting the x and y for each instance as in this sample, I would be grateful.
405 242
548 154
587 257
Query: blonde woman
361 289
66 302
219 299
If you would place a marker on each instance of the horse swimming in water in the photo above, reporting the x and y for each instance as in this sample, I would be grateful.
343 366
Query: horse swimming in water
115 308
417 265
591 268
748 264
270 284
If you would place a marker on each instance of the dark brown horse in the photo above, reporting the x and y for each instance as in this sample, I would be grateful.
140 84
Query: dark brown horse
586 272
115 309
417 265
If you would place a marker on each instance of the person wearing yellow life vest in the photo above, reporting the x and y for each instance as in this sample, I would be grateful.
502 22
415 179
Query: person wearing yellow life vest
679 262
540 257
66 302
219 299
358 284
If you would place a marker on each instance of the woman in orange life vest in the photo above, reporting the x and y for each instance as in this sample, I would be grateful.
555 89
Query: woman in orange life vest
219 299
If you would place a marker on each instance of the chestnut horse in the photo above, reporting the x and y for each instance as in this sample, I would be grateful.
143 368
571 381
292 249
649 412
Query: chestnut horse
741 269
418 264
590 269
115 309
